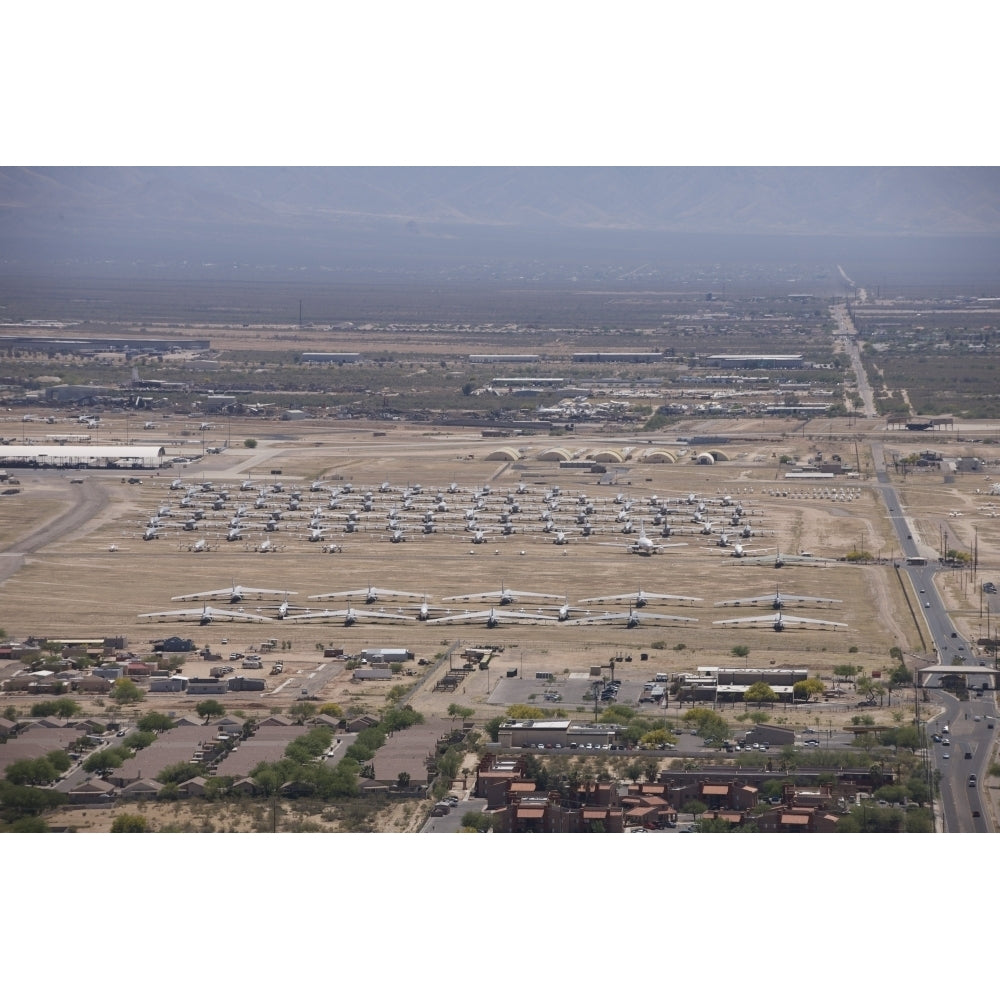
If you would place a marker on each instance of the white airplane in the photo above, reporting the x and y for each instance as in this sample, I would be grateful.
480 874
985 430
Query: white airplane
630 618
639 598
565 610
492 618
777 600
781 559
644 545
370 594
281 610
199 546
425 612
207 615
266 546
233 594
503 596
779 621
348 614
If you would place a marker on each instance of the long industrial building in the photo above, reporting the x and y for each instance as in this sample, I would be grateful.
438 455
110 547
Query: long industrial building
84 456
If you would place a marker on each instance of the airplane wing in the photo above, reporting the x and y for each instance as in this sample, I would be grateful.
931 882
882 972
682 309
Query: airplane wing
363 592
227 591
220 613
769 599
636 595
624 616
485 616
201 595
345 613
780 620
496 595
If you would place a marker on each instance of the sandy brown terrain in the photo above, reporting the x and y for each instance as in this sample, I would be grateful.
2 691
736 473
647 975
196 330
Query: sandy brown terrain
69 584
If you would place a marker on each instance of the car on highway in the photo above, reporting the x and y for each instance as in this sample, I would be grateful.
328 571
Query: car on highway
972 781
946 756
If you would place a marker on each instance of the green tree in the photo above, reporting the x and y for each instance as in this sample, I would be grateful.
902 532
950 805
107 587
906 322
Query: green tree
456 711
760 692
126 692
403 779
34 771
63 708
155 722
901 676
250 443
107 760
449 762
694 806
176 774
130 823
808 689
302 710
740 652
209 708
492 727
846 671
139 740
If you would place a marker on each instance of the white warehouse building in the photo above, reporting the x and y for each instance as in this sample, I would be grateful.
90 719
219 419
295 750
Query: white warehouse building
67 456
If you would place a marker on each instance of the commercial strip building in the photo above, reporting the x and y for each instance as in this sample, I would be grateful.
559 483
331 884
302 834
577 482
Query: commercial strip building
731 683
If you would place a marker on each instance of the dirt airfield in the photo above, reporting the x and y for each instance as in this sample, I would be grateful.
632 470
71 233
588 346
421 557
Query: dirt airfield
70 584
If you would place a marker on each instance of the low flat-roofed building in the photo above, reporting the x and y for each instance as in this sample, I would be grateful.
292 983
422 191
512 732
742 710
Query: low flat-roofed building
83 456
755 360
483 359
330 358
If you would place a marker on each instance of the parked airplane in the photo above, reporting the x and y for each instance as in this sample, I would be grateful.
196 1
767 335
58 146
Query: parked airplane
233 594
207 615
370 594
348 614
644 545
639 598
777 600
424 610
779 621
630 618
492 618
503 596
564 610
281 610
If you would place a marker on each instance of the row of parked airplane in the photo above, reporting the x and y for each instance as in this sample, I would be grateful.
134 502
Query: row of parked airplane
523 513
500 612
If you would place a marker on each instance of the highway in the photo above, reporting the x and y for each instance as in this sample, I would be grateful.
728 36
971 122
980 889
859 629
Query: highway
962 807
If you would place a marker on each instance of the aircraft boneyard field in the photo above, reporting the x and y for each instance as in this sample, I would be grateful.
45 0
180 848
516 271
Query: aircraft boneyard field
494 525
